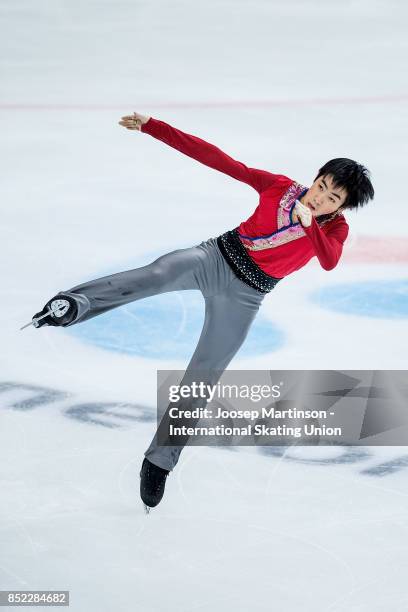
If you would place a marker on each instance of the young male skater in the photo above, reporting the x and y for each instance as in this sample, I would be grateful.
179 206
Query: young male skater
291 224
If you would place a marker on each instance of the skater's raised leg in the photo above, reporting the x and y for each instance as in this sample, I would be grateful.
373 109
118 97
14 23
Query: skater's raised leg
181 269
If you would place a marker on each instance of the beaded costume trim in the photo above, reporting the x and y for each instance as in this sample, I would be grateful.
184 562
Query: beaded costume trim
241 263
287 231
287 203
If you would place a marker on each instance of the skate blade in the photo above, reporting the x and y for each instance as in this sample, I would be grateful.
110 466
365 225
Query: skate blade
59 310
35 321
27 325
146 509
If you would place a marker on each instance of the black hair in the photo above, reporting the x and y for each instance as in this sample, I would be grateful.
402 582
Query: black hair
351 176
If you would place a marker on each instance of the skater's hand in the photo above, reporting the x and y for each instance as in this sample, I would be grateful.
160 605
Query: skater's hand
134 122
303 214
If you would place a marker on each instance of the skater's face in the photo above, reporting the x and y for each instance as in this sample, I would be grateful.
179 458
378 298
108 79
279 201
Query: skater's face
323 198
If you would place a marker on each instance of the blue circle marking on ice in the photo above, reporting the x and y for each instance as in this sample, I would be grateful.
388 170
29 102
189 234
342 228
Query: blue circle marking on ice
167 326
382 299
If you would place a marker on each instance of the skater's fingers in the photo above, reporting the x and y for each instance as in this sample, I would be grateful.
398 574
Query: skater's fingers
132 120
129 126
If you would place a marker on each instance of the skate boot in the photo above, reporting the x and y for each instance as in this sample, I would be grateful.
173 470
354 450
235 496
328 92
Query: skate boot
59 311
152 483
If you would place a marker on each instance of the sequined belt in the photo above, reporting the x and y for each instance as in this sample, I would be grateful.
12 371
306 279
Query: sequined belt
244 267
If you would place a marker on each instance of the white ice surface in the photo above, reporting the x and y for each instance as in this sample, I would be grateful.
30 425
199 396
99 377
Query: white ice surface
279 85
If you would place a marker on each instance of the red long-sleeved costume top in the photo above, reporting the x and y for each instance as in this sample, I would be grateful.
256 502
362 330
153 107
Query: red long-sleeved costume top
276 244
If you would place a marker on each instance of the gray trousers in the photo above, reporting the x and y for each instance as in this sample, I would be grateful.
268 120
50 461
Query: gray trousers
230 307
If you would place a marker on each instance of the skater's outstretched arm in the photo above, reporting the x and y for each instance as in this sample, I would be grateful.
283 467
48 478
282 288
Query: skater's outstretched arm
199 150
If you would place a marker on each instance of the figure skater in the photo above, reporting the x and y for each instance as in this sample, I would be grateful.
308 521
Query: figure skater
291 225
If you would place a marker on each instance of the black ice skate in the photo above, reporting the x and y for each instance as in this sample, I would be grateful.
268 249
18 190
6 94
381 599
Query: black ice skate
59 311
152 483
